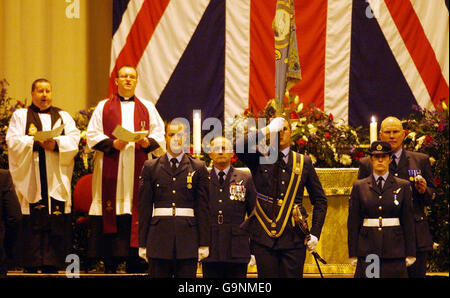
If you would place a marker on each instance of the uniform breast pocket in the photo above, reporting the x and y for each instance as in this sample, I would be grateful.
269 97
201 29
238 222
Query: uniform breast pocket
161 187
239 243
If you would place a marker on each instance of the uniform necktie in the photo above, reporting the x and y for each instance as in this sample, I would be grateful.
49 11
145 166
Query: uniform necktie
380 183
393 164
174 162
282 162
221 179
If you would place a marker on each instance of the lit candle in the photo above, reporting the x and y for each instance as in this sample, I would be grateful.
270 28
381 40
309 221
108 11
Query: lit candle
373 130
197 131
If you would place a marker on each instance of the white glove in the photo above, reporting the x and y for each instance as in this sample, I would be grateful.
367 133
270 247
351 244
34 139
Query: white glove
312 243
252 261
143 253
410 261
203 252
276 124
353 261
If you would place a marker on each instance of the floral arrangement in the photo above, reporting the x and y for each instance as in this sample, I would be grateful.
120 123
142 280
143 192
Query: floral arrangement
428 132
7 108
84 161
328 142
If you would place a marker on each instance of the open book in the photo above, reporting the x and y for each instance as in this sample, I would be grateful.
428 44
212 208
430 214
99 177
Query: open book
49 134
128 136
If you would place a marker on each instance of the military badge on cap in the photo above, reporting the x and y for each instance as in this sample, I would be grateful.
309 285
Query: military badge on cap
380 147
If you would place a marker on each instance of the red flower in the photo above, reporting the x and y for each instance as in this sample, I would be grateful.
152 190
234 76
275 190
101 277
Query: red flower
406 132
428 139
191 149
301 142
317 115
327 135
246 111
294 115
358 155
441 127
331 117
437 181
234 158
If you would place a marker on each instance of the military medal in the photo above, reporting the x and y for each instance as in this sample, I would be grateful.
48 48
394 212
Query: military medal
237 191
232 191
413 174
396 196
189 179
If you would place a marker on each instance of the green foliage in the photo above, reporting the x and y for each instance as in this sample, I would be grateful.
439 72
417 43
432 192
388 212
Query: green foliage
7 108
428 132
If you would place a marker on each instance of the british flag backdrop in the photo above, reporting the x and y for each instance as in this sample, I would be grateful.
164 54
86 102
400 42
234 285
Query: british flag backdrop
358 57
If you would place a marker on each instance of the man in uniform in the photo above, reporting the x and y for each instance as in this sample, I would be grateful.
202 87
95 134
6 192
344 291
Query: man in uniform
118 163
10 215
277 241
174 229
42 171
414 167
380 219
232 195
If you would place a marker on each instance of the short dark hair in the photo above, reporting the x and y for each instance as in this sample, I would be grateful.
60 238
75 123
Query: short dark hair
41 80
123 66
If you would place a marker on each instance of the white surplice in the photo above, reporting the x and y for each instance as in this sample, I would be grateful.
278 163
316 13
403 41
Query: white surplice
24 162
125 176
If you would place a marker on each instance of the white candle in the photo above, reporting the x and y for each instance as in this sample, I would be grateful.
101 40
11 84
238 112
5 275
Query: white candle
373 130
197 131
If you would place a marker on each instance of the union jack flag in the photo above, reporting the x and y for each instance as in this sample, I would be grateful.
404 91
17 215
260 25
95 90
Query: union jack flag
358 57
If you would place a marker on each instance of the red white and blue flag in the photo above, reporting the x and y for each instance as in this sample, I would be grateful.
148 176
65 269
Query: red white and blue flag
358 57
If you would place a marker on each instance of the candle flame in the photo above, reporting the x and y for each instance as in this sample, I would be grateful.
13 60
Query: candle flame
373 119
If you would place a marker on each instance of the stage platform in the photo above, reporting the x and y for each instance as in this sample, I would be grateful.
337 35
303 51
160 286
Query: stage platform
62 274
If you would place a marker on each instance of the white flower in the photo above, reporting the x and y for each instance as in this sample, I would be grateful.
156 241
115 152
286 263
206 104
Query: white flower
305 138
419 143
312 128
412 136
300 107
346 159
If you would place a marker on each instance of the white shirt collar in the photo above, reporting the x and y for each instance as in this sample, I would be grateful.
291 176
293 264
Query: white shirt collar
286 153
179 157
398 154
384 176
225 171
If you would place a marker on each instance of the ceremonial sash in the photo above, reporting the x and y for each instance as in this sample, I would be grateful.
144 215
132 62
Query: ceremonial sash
112 116
32 126
275 227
